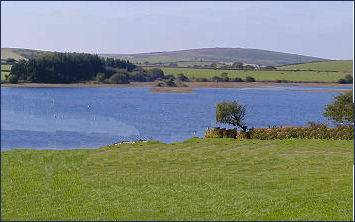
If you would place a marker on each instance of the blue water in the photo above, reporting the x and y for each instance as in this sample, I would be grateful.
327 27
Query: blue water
61 118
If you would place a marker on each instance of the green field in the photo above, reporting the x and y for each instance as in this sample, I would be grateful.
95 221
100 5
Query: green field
298 76
199 179
344 66
5 70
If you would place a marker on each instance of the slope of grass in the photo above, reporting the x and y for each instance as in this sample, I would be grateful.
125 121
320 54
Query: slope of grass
345 66
246 55
299 76
7 53
199 179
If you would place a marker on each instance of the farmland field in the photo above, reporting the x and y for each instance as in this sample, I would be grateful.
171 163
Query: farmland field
344 66
199 179
296 76
5 70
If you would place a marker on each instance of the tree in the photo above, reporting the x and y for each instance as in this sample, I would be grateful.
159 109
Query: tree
119 78
13 79
10 61
155 73
100 77
348 79
341 110
237 65
231 113
225 77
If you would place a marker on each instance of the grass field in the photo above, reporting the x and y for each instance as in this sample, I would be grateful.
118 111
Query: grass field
199 179
5 70
299 76
344 66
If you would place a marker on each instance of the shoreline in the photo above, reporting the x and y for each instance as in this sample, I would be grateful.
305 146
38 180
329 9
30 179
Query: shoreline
190 85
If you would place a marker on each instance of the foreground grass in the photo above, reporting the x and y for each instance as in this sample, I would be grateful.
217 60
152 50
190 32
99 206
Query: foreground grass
294 76
199 179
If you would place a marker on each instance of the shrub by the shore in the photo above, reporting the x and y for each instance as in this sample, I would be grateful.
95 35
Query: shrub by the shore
313 131
221 133
318 131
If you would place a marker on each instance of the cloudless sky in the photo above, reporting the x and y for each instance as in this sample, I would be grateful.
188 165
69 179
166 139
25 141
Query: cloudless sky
322 29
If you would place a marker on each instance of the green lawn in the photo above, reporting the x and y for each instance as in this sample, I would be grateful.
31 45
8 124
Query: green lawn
299 76
199 179
344 66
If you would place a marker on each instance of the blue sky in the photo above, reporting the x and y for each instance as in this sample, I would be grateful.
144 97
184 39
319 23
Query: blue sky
323 29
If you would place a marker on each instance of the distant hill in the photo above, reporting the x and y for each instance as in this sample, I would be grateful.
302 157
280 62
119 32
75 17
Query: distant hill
191 56
18 53
227 55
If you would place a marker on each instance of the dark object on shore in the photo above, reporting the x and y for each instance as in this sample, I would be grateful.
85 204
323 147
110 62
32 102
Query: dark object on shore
249 79
238 79
348 79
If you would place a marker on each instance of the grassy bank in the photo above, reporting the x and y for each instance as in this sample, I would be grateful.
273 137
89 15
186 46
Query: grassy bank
199 179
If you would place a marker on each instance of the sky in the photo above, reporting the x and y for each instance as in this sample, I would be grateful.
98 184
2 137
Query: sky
321 29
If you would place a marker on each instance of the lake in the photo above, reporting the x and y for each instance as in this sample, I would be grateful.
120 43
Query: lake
62 118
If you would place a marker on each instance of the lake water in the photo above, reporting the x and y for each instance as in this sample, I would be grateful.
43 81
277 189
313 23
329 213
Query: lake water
61 118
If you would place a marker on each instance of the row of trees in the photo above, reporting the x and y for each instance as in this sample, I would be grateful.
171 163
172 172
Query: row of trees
65 68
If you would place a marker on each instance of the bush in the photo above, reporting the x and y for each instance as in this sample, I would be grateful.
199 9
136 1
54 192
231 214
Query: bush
317 131
138 76
154 74
237 79
160 84
281 81
249 79
166 83
225 77
217 79
202 79
100 77
181 77
170 82
169 77
221 133
13 79
348 79
119 78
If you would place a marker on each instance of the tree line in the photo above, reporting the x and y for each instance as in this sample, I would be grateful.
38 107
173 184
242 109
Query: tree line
66 68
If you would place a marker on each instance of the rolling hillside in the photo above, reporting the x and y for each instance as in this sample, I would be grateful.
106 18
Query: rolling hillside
17 53
252 56
191 56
